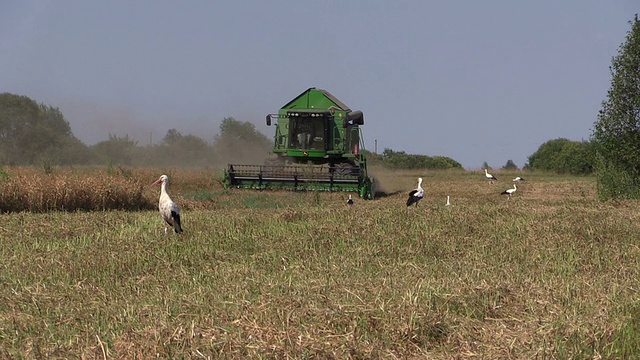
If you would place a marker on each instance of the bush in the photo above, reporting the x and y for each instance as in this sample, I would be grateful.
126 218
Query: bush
615 182
401 160
510 165
563 156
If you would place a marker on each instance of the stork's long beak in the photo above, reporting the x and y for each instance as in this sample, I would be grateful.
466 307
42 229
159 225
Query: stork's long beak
157 182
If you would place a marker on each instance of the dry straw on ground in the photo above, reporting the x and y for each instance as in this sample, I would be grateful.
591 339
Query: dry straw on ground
551 273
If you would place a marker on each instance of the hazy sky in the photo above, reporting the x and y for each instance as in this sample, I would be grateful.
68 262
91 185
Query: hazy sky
473 80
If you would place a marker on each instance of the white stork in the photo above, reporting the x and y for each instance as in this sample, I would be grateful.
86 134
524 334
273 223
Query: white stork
518 179
168 209
490 177
448 203
350 200
509 191
416 194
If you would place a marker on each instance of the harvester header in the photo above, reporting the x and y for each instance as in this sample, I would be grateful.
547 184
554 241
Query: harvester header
318 145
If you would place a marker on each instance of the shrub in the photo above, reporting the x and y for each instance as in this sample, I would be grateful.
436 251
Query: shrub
563 156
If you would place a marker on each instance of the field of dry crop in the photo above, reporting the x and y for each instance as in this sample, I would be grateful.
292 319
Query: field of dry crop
87 272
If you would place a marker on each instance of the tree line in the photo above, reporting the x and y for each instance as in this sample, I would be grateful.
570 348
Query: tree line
37 134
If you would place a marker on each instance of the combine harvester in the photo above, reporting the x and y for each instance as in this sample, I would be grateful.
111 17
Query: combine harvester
318 146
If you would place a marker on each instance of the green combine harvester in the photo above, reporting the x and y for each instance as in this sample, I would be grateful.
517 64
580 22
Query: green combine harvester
318 146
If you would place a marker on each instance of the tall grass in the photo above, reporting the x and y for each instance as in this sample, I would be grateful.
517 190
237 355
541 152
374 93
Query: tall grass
551 273
28 189
87 188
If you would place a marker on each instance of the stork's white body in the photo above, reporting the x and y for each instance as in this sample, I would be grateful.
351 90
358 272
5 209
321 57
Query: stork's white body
448 203
416 194
509 191
518 179
168 209
490 177
350 200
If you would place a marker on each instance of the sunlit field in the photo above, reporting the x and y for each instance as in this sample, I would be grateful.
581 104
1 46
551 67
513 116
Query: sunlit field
550 273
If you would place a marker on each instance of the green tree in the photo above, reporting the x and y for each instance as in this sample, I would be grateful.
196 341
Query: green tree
172 137
510 165
175 149
70 151
546 157
32 132
616 134
563 156
402 160
116 150
236 131
240 142
185 150
575 158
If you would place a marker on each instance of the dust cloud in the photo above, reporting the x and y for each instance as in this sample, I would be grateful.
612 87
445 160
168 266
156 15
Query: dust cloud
240 152
93 122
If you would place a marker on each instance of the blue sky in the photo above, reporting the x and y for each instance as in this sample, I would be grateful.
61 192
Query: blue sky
476 81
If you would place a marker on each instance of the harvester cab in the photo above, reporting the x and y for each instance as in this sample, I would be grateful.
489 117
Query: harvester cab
318 146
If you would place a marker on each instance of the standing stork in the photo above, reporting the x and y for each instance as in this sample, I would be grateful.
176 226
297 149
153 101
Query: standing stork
509 191
518 178
350 200
168 209
416 194
448 203
490 177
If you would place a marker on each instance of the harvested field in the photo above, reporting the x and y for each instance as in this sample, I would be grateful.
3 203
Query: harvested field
551 273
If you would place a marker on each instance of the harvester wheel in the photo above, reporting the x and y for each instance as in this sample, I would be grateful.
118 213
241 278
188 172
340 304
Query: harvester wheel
368 189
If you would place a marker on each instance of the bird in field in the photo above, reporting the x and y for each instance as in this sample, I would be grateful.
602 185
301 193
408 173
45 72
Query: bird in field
350 200
518 179
168 209
448 203
416 194
509 191
490 177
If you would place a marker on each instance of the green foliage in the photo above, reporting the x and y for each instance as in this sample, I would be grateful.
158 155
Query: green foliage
401 160
616 134
70 151
110 170
615 182
545 157
240 142
563 156
236 142
626 340
172 137
31 133
3 173
510 165
47 167
117 150
576 158
178 150
190 146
